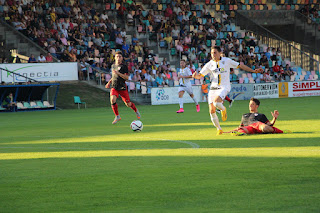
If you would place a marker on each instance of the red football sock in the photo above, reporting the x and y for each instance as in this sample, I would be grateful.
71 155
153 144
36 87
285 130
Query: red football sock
276 130
228 99
115 109
133 107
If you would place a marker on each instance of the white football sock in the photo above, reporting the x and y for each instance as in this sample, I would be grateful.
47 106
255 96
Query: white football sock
195 101
215 120
219 105
181 103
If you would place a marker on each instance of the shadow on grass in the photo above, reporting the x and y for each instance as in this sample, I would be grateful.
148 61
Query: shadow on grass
160 143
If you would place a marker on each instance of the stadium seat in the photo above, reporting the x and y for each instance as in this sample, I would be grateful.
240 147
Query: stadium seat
34 105
78 101
27 105
20 106
40 104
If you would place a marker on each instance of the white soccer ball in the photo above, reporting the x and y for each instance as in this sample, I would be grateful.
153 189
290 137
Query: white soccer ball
136 125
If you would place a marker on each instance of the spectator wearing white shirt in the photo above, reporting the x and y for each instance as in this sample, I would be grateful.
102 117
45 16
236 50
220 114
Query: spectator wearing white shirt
41 58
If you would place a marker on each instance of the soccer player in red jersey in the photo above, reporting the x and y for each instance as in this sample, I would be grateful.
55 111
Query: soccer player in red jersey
119 87
257 123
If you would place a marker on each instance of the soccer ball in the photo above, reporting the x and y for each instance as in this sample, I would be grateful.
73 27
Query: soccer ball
136 125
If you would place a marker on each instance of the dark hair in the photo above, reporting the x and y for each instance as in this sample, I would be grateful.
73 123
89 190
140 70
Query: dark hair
217 48
118 53
256 101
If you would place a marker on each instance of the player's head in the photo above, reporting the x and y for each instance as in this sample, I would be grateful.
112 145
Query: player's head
254 105
182 63
118 57
216 53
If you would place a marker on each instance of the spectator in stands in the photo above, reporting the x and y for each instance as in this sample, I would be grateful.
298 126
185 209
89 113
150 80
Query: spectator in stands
264 61
281 75
265 77
276 70
288 71
32 59
8 103
204 89
159 80
42 58
251 42
274 54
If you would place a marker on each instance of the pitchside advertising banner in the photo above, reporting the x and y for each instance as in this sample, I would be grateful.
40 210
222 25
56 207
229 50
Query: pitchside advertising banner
304 88
169 95
241 91
40 72
267 90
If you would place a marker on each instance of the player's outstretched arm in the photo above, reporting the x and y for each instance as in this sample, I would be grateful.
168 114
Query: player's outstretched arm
196 75
248 69
275 115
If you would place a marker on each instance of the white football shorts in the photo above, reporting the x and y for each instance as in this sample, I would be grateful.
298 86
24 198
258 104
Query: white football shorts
223 92
186 89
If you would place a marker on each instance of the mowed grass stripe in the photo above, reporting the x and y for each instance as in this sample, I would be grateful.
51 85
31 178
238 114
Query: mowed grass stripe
230 152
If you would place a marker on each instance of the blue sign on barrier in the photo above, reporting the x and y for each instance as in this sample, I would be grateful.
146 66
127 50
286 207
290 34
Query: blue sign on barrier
241 91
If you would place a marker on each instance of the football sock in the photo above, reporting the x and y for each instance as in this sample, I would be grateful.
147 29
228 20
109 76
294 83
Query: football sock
195 101
115 108
220 106
228 99
133 107
276 130
181 103
215 120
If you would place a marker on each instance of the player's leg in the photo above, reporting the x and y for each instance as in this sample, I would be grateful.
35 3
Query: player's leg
218 103
126 99
189 90
113 100
269 129
212 112
230 101
264 128
181 93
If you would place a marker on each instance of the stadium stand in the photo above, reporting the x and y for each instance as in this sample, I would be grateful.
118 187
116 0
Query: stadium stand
148 33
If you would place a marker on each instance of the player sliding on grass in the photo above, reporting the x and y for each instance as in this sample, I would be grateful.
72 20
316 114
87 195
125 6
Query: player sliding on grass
118 87
256 123
219 69
184 77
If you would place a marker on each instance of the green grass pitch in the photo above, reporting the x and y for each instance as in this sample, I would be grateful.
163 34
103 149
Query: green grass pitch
77 161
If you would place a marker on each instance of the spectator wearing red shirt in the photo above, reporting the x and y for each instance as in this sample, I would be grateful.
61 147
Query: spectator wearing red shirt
276 70
49 57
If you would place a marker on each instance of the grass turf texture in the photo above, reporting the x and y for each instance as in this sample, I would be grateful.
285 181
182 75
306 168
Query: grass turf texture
75 160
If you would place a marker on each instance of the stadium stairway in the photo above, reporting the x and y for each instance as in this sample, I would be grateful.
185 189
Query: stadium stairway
14 41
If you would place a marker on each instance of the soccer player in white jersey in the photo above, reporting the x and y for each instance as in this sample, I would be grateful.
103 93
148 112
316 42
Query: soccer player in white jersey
219 69
184 77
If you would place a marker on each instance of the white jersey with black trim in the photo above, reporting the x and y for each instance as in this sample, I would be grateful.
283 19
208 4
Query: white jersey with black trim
219 72
185 81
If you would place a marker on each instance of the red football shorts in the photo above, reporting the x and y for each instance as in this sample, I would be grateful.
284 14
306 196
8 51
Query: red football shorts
124 94
252 128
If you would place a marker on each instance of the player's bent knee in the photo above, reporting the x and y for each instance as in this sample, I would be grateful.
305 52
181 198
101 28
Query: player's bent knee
128 104
266 129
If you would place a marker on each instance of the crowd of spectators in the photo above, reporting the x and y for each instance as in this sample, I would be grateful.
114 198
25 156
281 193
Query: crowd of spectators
72 30
312 11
